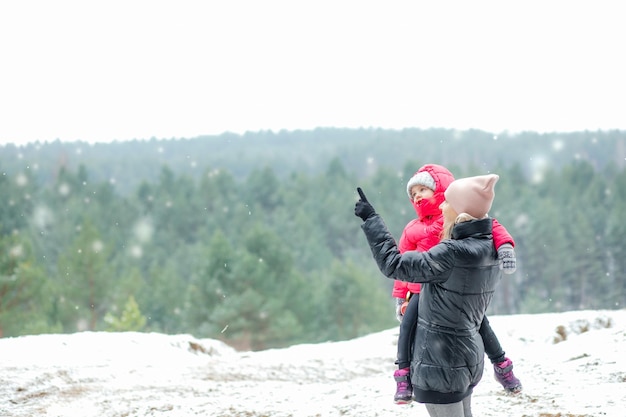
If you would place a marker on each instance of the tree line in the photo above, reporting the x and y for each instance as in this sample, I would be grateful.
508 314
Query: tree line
361 151
269 259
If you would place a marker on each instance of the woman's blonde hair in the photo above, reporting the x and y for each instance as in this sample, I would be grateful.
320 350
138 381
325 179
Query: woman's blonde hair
446 232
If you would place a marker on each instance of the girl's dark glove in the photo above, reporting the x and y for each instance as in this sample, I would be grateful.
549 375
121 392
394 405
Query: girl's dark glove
363 208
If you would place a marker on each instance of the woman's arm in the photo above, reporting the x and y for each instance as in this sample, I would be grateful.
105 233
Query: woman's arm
413 266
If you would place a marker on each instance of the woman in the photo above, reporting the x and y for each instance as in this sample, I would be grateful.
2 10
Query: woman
426 192
460 275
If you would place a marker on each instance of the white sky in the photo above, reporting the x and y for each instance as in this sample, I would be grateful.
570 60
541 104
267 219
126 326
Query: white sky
115 70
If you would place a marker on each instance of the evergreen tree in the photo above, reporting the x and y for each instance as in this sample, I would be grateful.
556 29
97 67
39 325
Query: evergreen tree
587 274
84 282
130 320
17 194
546 259
263 274
356 303
22 284
213 293
613 293
162 298
261 189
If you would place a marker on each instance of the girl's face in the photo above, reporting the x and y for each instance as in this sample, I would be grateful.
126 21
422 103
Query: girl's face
449 215
420 192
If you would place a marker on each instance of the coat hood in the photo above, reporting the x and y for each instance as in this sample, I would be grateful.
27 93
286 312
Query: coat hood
443 178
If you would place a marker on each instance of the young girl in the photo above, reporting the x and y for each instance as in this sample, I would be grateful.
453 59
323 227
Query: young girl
426 191
461 274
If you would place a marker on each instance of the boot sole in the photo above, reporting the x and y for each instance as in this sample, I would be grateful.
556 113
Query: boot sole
403 400
514 390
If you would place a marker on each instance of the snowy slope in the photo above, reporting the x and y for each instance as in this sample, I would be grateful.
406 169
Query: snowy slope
571 365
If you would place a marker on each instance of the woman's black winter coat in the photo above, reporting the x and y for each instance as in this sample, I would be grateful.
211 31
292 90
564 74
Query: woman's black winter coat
460 276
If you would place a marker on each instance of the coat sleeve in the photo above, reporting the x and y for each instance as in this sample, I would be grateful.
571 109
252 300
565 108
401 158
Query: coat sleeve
501 235
415 236
400 289
407 241
413 266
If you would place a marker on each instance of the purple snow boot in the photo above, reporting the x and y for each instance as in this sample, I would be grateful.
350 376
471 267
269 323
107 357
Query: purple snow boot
404 390
504 375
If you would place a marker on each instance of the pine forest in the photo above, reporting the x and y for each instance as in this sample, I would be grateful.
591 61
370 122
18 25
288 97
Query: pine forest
252 239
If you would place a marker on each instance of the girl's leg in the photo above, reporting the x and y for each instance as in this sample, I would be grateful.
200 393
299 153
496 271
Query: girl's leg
493 349
402 376
407 333
502 366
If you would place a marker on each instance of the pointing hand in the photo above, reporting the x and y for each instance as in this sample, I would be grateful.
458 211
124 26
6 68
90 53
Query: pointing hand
363 208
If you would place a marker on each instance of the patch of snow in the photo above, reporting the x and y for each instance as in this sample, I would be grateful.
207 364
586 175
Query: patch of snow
570 364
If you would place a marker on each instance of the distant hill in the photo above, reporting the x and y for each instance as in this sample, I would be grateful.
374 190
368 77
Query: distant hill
361 151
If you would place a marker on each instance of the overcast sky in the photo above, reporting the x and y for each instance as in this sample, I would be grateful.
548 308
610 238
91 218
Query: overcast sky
116 70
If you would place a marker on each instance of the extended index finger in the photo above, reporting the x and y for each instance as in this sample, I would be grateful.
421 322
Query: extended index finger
361 194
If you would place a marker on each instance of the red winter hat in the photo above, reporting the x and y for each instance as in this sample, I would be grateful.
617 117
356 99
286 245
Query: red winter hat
472 195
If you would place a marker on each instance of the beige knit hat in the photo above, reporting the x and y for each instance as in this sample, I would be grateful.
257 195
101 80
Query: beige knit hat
422 178
472 195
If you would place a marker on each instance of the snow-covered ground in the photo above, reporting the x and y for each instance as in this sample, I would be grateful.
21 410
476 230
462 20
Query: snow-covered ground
571 365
